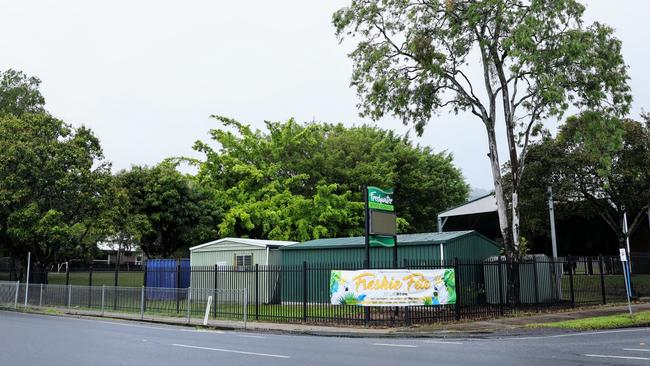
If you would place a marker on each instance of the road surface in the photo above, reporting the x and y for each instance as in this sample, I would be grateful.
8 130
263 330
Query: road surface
33 340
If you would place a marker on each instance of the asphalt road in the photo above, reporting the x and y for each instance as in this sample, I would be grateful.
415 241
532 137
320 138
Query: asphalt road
32 340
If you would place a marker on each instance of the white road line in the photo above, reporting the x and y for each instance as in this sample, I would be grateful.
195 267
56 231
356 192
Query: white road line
442 342
394 345
620 357
637 349
230 351
125 323
576 334
248 336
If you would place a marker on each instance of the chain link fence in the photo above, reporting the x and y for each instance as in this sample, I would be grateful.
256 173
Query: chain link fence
152 302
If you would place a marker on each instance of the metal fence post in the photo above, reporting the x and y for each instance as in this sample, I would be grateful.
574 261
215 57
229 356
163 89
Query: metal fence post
257 291
178 285
536 283
90 285
573 299
304 291
499 264
142 304
144 283
189 304
103 294
407 309
457 284
40 297
16 297
214 309
69 296
602 278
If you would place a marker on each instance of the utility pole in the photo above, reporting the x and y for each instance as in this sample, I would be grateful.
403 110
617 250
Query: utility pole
551 213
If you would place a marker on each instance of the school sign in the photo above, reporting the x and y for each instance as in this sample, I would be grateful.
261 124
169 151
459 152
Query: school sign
380 199
393 287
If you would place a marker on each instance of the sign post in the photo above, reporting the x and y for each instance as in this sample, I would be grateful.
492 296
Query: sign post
626 273
381 221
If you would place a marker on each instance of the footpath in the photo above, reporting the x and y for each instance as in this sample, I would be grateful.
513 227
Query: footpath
507 325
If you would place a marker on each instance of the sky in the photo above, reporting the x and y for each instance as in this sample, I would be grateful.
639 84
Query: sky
147 75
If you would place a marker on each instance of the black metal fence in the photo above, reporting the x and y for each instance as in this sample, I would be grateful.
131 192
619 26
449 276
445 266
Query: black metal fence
301 293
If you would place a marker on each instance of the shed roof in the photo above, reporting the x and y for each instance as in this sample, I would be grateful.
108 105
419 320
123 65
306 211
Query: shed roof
487 203
254 242
404 239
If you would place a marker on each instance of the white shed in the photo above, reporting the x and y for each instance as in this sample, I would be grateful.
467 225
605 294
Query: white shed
232 262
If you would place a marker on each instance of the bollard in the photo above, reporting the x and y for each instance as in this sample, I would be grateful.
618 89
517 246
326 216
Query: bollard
142 304
40 297
69 296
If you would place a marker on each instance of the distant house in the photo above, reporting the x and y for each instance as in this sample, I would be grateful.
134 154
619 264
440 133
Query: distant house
131 255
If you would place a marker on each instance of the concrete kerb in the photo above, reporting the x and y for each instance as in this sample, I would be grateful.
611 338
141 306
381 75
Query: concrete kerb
508 326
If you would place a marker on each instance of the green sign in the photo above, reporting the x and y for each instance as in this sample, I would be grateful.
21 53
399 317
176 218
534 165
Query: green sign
382 241
380 199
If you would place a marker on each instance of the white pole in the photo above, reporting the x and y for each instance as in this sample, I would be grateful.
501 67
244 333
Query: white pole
142 304
16 297
40 298
29 262
103 292
207 311
69 295
189 304
551 214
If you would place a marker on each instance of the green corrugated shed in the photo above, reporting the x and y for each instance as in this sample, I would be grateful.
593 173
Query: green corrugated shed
417 249
423 250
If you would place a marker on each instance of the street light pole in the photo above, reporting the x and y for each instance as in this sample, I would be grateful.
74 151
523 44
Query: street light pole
551 213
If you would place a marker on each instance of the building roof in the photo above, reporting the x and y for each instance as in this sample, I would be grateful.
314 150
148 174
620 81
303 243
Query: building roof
110 246
254 242
487 203
405 239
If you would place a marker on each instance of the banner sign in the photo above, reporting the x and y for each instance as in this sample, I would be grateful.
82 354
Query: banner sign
393 287
380 199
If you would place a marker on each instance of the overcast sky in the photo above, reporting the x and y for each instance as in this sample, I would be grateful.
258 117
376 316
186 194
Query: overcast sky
146 75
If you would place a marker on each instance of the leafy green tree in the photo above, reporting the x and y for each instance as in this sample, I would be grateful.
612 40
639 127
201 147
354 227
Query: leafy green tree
304 181
512 62
590 177
166 210
19 93
55 186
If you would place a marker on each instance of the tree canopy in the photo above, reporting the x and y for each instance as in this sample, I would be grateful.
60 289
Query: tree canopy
529 59
55 186
169 209
588 176
304 181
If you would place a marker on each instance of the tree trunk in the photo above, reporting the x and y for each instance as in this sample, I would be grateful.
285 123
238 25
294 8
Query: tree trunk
507 234
498 189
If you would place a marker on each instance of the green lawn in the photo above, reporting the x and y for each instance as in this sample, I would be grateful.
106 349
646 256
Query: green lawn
601 322
125 279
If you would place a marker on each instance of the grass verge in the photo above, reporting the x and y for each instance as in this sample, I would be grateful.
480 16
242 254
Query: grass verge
600 322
